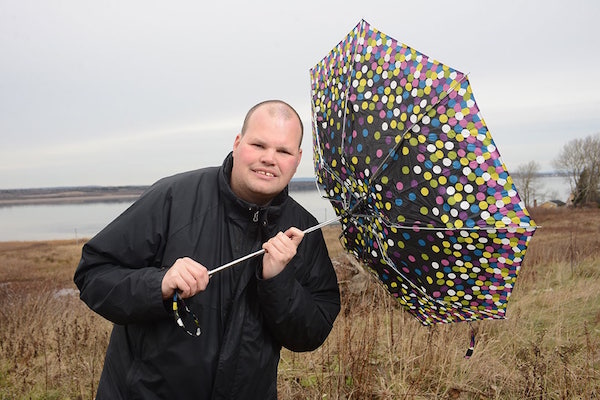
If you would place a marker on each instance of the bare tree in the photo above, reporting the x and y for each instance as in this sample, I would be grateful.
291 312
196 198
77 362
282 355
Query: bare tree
580 159
526 178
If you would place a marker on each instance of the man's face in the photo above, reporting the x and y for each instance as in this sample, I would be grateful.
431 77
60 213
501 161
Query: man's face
266 157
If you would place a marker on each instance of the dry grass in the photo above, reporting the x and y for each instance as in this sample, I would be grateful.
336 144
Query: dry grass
52 346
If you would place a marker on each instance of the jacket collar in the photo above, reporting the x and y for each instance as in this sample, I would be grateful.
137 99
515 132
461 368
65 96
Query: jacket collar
265 214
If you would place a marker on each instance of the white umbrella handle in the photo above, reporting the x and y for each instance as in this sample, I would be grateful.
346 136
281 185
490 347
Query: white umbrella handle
262 251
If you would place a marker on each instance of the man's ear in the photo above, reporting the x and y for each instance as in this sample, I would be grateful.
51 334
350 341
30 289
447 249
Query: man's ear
237 140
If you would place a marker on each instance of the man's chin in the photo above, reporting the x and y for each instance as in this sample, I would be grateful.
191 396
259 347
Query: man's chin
265 192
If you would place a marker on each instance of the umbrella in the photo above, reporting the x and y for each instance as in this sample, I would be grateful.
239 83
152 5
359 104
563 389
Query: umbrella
425 202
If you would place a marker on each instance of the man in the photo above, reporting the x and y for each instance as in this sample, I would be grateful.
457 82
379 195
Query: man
163 245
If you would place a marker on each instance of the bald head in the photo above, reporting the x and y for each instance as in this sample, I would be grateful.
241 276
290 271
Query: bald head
276 109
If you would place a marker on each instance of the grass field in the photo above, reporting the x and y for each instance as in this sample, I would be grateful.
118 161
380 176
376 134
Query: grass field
52 346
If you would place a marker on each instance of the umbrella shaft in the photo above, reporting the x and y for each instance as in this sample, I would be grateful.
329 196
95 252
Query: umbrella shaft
262 251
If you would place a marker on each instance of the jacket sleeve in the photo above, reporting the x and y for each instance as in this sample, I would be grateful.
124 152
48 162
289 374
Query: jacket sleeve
119 275
301 303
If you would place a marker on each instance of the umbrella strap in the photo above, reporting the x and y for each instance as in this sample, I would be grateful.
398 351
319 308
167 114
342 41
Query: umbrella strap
471 343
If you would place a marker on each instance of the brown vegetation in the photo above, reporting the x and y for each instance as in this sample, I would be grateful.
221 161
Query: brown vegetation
52 346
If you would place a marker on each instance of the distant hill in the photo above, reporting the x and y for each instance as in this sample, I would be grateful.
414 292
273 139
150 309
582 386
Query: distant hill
90 194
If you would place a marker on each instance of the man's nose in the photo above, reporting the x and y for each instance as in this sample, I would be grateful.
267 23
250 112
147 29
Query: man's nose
268 156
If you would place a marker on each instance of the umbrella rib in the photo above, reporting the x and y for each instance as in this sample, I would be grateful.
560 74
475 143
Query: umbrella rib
348 85
397 146
433 228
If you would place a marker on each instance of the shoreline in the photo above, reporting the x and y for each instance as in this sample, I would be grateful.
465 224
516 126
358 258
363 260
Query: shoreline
95 194
73 199
70 195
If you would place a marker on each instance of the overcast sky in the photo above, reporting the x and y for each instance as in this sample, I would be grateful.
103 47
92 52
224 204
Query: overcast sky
126 92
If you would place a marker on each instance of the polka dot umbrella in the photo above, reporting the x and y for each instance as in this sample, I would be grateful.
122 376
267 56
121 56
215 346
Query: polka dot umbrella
425 201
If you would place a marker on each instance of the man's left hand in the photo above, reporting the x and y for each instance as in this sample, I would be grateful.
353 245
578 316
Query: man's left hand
279 250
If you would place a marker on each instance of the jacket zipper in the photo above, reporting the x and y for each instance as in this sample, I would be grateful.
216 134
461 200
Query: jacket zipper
255 218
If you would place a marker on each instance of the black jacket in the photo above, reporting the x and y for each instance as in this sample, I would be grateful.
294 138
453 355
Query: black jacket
244 319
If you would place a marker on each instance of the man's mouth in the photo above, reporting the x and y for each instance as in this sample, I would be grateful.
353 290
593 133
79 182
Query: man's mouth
265 173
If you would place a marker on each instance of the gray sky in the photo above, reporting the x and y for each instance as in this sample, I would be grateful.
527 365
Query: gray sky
126 92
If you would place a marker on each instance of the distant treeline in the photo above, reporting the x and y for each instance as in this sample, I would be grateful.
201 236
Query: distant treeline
95 193
516 174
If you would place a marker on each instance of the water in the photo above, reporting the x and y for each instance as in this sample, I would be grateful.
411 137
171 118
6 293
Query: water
552 188
74 221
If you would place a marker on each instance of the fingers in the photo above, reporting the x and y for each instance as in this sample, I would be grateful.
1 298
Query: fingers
279 250
296 235
288 242
185 276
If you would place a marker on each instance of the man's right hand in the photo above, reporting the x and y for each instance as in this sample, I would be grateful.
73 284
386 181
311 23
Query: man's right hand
185 276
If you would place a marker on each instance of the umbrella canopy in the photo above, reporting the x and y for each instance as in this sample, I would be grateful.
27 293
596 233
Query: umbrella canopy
425 201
